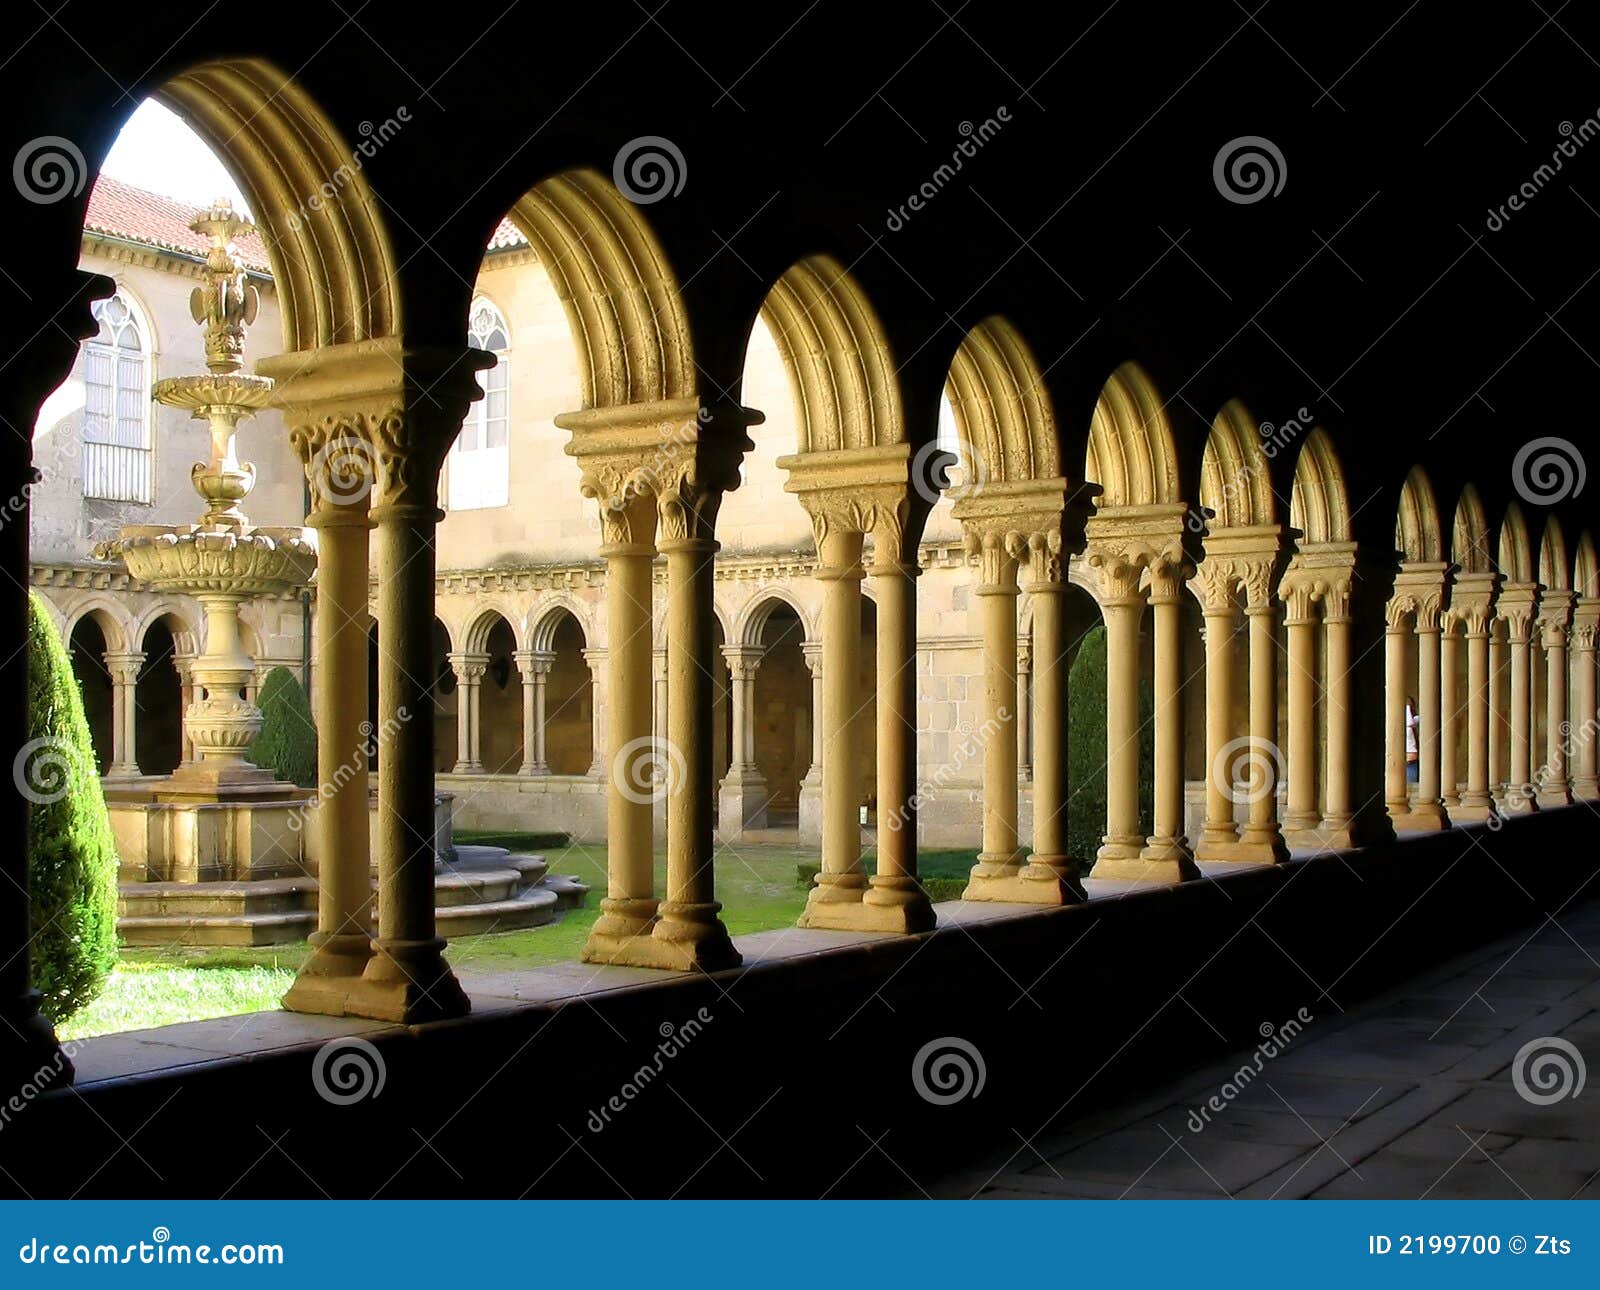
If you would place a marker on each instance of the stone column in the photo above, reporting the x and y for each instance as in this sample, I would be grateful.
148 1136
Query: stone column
1024 711
124 669
1166 852
599 710
1555 617
640 765
1122 605
894 901
811 785
1397 637
1338 807
1585 735
688 932
1476 800
1301 817
185 663
534 667
1001 857
1449 714
1518 614
1051 875
469 670
1214 583
342 944
742 795
841 880
1426 810
1499 726
1261 840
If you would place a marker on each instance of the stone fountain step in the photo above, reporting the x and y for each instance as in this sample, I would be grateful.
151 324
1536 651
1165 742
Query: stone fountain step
531 909
217 929
478 887
186 900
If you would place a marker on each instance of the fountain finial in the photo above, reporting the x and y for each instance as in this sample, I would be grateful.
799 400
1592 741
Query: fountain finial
226 305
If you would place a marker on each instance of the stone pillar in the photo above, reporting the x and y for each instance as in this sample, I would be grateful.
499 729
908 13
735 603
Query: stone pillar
534 667
1397 637
1301 816
811 785
1051 875
1426 811
599 710
894 901
1166 852
1499 726
688 932
1001 857
1476 801
1214 584
342 944
1555 617
1024 711
124 669
469 670
1122 605
1449 714
742 795
1517 610
1585 735
640 765
1261 840
841 880
1338 807
187 692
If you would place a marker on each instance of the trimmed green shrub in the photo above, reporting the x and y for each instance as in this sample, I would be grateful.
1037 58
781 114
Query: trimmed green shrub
517 841
1086 747
287 744
72 857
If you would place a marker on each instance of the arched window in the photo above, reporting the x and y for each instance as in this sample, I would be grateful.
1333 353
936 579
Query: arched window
480 462
117 462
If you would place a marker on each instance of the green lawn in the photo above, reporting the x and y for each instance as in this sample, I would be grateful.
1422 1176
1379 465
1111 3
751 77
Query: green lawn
759 887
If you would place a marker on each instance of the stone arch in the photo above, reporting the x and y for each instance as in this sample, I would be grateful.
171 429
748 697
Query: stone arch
182 621
721 620
1555 569
333 263
840 367
752 620
1469 534
1516 546
617 286
1002 408
1235 481
545 618
1319 498
158 733
1132 454
116 624
475 636
1418 534
1586 568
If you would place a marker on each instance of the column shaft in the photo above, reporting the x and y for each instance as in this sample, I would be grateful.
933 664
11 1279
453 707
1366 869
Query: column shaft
1118 856
1519 790
1221 834
1554 789
1426 812
1261 834
1167 849
1337 808
1301 816
1395 793
1449 717
1475 801
1586 774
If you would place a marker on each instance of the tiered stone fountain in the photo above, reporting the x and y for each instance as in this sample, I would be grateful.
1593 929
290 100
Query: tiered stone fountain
221 851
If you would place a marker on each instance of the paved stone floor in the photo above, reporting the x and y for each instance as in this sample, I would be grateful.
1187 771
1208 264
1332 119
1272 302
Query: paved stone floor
1408 1095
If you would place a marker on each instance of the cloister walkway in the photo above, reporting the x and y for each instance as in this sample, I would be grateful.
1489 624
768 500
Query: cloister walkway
1409 1095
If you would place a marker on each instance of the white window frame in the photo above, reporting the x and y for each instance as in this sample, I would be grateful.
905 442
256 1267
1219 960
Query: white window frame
118 448
479 476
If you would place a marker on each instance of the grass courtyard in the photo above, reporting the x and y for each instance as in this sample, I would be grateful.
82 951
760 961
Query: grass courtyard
759 886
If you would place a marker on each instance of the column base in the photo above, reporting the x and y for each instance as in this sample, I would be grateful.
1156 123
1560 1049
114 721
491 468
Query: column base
896 905
1246 853
1467 811
326 979
30 1054
1216 842
830 894
1420 817
1554 795
1044 880
408 982
535 770
691 938
1157 871
1586 790
741 803
467 768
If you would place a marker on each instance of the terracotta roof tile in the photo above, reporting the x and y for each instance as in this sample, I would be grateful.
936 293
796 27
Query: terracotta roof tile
133 214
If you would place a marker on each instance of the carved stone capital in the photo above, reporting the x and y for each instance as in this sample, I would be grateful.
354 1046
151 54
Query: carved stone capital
532 662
